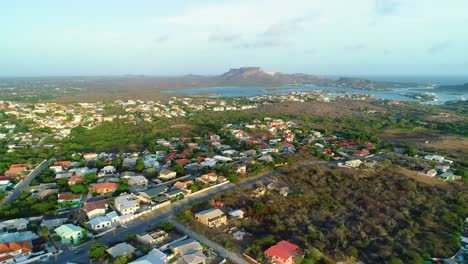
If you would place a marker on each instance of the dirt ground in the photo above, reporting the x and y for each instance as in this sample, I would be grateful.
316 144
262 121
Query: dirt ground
395 135
421 178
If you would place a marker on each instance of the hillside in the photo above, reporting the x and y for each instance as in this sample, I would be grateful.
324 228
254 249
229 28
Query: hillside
375 217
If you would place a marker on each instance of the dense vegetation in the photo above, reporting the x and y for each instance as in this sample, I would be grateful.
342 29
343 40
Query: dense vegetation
379 217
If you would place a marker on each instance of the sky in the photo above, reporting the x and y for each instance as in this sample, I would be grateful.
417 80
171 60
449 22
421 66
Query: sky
177 37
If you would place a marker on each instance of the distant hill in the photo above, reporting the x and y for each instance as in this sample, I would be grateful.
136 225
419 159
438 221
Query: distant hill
259 77
453 88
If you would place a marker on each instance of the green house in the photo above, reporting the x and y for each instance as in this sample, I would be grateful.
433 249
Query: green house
70 234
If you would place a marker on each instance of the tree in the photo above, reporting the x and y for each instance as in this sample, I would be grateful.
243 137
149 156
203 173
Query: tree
395 260
259 207
89 178
79 188
44 231
167 226
140 164
120 260
97 251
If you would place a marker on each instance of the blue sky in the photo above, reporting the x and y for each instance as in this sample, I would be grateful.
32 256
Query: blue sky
159 37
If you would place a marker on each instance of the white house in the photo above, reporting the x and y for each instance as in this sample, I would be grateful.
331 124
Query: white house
120 249
126 204
99 223
353 163
155 256
17 224
137 183
167 174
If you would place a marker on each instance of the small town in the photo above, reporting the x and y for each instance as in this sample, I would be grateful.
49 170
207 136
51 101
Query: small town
234 132
130 206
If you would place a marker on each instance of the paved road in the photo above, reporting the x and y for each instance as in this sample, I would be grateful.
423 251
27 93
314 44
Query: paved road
220 249
163 214
26 181
140 224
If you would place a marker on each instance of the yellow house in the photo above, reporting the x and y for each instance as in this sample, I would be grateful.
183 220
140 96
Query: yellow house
211 217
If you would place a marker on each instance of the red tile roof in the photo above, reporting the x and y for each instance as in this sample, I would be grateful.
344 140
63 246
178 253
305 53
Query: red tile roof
69 196
283 250
105 185
183 162
88 207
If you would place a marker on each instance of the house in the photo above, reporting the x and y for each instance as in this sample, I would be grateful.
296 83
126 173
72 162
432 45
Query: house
430 173
155 256
108 170
221 158
167 174
64 163
189 250
207 178
96 208
152 238
437 158
16 170
99 223
283 252
241 168
208 162
449 176
68 200
4 184
114 218
236 214
121 249
56 169
64 175
154 192
52 222
13 224
266 158
182 185
151 161
9 251
75 180
104 188
175 193
211 217
126 204
90 156
129 162
70 234
137 183
282 189
353 163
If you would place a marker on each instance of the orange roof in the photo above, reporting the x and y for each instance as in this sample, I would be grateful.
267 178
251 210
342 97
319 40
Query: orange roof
75 178
63 163
23 165
15 170
105 185
24 246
